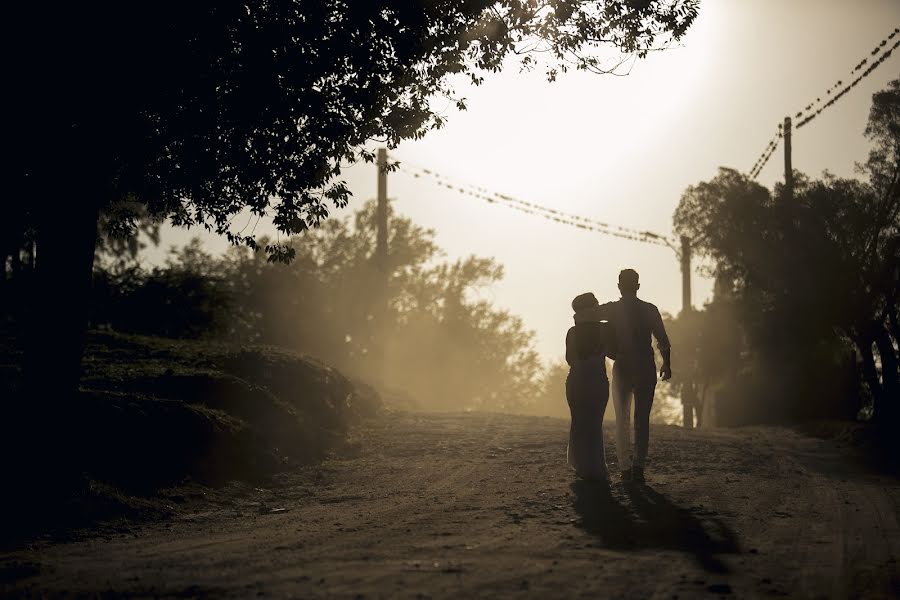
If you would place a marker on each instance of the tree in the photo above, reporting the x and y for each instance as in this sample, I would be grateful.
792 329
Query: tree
791 272
712 353
883 129
818 272
437 341
882 252
204 110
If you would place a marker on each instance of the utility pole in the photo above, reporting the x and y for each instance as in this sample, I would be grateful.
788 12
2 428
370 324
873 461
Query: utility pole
381 217
380 292
685 274
688 391
788 169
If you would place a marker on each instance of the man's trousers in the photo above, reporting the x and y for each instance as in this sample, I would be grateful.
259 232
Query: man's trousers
640 384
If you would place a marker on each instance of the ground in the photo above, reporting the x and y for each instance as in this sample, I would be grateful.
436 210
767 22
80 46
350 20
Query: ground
483 505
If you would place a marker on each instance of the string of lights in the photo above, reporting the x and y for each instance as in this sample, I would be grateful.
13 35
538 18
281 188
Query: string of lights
495 196
881 52
531 208
766 153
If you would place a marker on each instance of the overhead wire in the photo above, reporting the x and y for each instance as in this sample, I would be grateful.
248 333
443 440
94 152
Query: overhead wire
767 153
876 57
881 52
532 208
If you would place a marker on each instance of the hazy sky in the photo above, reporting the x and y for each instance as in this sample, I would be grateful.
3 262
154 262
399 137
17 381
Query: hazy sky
623 149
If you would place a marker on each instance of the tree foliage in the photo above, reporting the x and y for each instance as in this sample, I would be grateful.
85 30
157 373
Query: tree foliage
203 110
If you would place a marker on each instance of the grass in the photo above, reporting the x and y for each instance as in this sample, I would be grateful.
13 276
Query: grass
153 413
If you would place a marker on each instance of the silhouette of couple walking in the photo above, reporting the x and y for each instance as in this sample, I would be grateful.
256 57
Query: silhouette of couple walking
622 331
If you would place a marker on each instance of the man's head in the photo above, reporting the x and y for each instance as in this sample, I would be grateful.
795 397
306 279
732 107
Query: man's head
628 282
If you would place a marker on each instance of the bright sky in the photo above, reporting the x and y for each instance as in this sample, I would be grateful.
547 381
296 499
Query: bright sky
623 149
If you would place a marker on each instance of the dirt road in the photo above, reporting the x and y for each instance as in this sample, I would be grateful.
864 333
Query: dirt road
469 505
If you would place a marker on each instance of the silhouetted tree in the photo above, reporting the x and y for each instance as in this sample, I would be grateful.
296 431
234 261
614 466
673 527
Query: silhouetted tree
881 252
203 110
814 272
883 128
438 341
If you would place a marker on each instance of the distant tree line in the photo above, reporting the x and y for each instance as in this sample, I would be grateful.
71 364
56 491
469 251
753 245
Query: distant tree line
432 341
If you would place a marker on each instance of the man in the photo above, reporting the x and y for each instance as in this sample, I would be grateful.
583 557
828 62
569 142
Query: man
634 371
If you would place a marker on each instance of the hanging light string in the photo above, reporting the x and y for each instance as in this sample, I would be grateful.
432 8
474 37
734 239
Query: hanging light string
545 212
881 52
863 68
767 153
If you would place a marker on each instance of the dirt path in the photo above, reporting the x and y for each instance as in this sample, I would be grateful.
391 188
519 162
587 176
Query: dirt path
465 505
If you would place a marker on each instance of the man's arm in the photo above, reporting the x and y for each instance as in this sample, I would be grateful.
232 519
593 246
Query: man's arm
604 311
662 343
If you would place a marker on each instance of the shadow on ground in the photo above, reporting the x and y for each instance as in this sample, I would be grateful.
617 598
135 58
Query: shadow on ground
650 520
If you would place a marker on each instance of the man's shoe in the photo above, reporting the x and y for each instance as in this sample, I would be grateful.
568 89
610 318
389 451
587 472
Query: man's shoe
626 476
637 474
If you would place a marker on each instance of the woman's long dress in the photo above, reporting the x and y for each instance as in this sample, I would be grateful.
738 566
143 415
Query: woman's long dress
587 392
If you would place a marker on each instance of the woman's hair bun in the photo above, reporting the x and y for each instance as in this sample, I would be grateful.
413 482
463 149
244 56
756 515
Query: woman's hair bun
582 301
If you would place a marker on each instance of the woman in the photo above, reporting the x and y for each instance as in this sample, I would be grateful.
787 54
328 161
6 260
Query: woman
587 388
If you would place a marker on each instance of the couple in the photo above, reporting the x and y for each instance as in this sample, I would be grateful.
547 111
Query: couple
620 330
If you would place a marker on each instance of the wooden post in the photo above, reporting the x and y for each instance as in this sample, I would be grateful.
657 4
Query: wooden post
381 217
685 274
381 298
688 398
788 169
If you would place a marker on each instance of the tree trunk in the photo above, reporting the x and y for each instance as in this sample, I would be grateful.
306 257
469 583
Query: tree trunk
870 373
701 402
894 323
31 255
16 263
687 411
40 445
890 380
59 302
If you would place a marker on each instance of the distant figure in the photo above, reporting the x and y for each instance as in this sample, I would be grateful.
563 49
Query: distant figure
634 372
587 388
